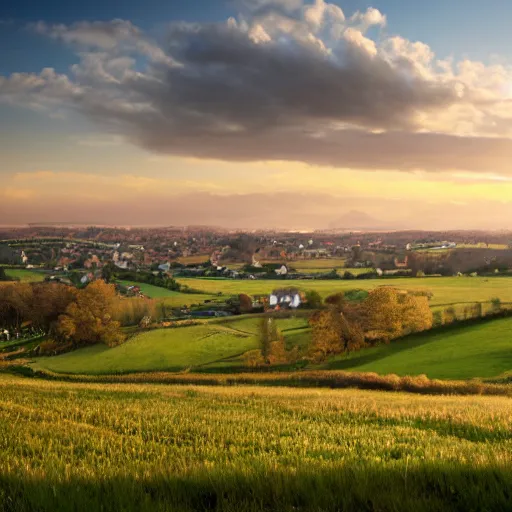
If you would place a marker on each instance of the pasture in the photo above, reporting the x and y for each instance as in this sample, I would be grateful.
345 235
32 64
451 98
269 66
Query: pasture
213 344
171 349
446 290
167 447
170 298
24 275
481 350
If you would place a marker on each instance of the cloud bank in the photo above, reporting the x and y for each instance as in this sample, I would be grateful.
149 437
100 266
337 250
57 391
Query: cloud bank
283 80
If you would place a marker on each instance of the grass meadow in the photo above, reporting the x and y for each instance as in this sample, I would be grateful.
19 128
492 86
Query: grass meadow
83 447
212 346
482 350
458 352
170 298
446 290
24 275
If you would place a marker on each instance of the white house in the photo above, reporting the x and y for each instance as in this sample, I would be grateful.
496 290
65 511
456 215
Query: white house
288 298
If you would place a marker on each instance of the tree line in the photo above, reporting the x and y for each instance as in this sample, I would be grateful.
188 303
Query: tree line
341 326
71 317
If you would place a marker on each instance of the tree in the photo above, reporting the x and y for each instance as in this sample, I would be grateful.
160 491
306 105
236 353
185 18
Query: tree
88 319
50 300
391 313
245 303
337 300
326 339
15 304
107 272
268 334
313 299
495 305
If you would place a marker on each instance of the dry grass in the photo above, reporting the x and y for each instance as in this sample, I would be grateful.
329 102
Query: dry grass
320 379
83 447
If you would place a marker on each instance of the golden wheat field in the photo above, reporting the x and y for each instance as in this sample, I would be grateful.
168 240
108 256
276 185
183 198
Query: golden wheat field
72 446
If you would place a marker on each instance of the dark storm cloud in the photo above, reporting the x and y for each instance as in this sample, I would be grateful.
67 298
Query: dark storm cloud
278 84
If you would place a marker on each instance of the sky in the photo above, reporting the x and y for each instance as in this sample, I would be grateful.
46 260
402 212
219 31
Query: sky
295 114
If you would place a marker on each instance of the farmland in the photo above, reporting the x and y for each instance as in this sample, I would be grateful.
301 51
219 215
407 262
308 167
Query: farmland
25 275
154 447
213 344
170 298
480 350
446 290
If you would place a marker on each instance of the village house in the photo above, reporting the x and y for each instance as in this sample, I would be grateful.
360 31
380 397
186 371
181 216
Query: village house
285 298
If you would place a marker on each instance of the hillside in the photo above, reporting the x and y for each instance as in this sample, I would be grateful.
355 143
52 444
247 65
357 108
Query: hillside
480 350
168 349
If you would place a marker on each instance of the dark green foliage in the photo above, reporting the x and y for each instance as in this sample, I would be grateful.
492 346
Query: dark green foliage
161 280
313 299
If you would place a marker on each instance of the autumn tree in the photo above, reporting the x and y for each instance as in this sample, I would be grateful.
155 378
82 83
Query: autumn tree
337 300
391 313
326 338
15 304
245 303
50 300
88 319
273 349
268 334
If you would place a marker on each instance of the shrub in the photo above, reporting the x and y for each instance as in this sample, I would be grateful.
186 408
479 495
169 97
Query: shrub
48 347
495 304
313 299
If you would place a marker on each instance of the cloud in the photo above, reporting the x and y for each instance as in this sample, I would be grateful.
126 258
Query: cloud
369 18
285 80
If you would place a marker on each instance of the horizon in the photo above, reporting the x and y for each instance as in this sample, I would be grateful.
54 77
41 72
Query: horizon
266 114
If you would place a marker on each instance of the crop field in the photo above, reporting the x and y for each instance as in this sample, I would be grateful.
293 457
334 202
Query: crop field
193 260
446 290
28 276
167 447
481 350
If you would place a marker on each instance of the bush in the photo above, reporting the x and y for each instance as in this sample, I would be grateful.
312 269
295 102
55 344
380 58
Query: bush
48 348
495 304
313 299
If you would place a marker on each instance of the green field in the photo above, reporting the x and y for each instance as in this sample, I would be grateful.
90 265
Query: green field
28 276
171 349
214 344
83 447
170 298
481 350
446 290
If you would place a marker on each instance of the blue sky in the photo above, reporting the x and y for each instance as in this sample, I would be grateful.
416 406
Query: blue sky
462 28
229 116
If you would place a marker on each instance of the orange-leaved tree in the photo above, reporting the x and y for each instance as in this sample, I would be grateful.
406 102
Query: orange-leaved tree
391 313
88 320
